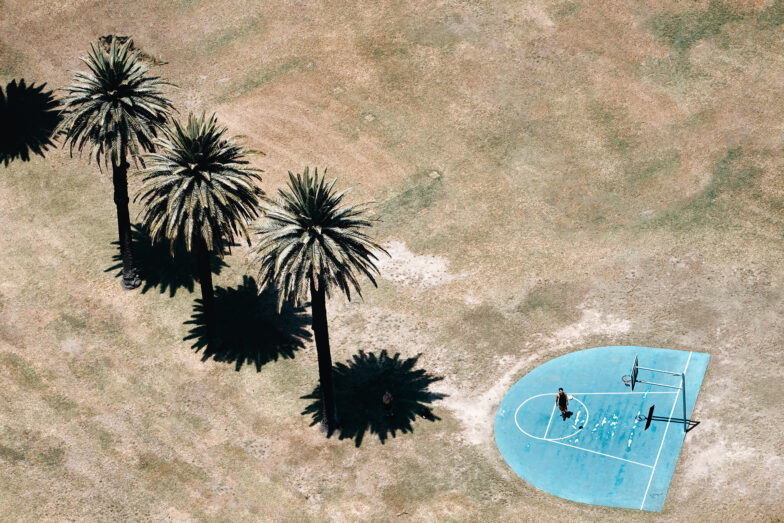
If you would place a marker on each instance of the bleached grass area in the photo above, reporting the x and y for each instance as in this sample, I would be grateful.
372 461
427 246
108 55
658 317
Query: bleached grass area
607 174
476 410
404 267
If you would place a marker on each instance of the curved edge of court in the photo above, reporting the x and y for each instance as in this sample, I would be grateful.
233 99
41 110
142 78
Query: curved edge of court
602 454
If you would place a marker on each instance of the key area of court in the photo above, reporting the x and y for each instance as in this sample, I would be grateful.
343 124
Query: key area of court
601 454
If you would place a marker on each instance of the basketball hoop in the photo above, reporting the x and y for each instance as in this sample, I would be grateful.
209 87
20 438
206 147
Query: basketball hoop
630 380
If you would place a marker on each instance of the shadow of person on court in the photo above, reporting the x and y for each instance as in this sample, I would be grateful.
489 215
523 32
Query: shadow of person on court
360 387
29 116
158 267
249 328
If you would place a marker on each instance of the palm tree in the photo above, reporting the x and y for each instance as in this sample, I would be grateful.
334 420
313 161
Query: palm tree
116 109
308 244
197 190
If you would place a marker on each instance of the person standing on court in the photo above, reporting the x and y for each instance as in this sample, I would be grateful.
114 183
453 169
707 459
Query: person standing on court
563 402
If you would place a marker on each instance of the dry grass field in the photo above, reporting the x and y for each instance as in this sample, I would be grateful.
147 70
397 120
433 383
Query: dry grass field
548 175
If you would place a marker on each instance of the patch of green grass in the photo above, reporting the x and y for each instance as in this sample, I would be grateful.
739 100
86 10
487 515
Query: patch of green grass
552 301
80 319
515 135
215 42
31 446
106 439
772 16
261 76
662 165
19 370
618 129
192 421
693 121
62 405
393 58
567 10
670 70
10 62
51 455
96 372
383 46
421 193
414 199
730 176
683 30
410 488
432 33
349 130
11 455
50 199
74 322
489 331
68 324
170 473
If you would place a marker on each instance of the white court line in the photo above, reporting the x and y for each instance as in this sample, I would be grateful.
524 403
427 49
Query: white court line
600 453
663 438
587 415
548 423
627 392
582 448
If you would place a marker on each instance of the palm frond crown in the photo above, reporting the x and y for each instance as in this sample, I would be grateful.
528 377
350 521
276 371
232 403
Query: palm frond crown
198 185
308 233
115 108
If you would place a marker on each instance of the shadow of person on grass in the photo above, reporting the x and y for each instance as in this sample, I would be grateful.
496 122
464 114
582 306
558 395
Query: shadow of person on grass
249 327
158 268
28 118
360 386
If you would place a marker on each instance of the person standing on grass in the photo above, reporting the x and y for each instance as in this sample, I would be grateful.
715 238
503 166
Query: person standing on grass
563 402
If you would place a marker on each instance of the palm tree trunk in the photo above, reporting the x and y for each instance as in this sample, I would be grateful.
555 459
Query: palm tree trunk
130 278
207 294
321 334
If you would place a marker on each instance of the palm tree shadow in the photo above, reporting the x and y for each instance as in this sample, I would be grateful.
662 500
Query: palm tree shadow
28 119
157 266
249 327
359 388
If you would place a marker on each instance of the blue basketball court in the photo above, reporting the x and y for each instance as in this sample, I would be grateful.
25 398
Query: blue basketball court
602 453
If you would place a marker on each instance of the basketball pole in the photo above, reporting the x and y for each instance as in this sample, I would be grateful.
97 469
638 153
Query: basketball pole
683 389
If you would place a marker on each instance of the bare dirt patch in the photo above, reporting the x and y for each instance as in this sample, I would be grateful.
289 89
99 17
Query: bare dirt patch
404 267
547 178
477 410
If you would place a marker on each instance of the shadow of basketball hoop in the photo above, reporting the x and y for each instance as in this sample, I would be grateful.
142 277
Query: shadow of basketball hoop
689 424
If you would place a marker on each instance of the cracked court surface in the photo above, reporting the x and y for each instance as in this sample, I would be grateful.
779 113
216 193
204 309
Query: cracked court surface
602 453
